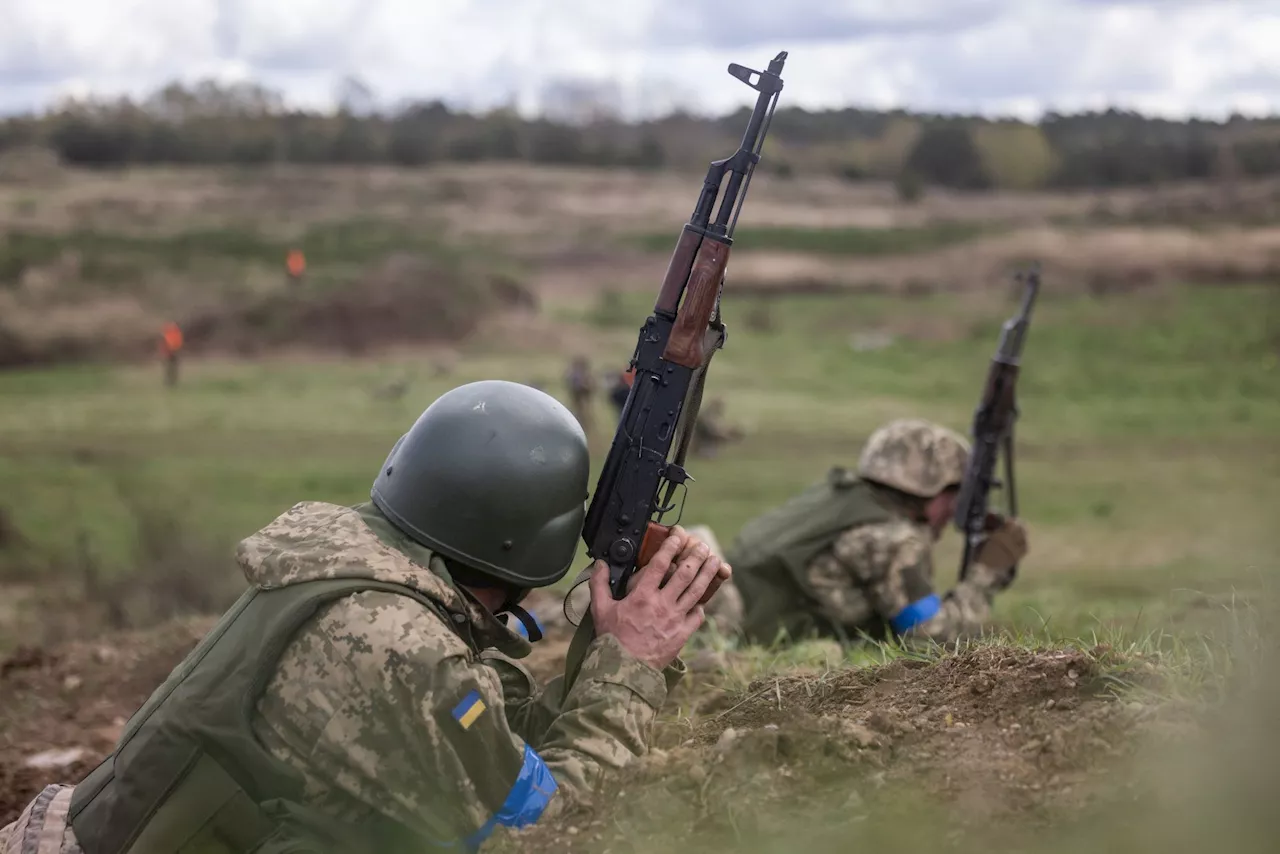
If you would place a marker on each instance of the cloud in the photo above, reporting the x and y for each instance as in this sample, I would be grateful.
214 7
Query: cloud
750 23
995 56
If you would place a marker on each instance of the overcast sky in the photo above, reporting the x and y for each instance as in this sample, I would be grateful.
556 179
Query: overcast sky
1174 57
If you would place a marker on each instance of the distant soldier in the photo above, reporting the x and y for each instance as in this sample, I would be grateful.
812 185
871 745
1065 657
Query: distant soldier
621 389
852 554
582 386
710 430
170 347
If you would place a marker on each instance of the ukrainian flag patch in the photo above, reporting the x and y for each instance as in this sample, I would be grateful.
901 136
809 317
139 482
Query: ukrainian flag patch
469 709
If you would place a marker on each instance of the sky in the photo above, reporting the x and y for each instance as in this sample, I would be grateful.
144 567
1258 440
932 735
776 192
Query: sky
999 57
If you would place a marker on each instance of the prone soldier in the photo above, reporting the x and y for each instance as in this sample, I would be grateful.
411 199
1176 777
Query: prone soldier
365 693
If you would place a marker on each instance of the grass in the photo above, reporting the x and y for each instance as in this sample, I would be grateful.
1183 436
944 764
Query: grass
1148 458
1148 463
863 242
117 257
1169 737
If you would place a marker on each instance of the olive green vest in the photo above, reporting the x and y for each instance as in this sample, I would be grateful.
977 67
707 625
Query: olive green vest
772 552
188 775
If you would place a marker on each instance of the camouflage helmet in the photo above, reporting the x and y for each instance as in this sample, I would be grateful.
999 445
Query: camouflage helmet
914 456
493 475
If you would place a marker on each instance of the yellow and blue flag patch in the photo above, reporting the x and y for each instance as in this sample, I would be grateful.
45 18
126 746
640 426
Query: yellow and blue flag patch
469 709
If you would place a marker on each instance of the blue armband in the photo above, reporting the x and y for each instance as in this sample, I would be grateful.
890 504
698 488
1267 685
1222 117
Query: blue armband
916 613
526 801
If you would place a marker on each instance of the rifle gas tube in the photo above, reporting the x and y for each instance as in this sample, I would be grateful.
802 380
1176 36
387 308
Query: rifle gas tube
993 423
640 475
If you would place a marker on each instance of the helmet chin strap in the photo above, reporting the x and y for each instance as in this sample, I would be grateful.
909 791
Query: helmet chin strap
511 600
530 624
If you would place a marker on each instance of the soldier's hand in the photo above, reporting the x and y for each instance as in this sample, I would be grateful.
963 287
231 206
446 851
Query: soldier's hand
723 574
691 542
663 605
1003 549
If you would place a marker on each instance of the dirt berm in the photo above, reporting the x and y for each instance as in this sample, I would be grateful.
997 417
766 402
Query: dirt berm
988 734
991 731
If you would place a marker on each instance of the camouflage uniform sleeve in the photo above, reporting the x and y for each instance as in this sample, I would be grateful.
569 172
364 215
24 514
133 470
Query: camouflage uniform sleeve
606 718
530 708
383 709
893 563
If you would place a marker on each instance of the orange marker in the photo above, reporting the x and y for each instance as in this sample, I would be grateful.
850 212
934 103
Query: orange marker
296 263
172 340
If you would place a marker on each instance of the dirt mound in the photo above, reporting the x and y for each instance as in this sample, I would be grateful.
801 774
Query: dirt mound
406 298
74 701
987 733
64 707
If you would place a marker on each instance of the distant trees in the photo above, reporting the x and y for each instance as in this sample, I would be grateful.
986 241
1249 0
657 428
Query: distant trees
212 123
947 155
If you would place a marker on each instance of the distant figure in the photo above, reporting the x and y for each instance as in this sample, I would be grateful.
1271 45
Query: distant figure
621 390
582 387
393 390
296 265
170 346
710 430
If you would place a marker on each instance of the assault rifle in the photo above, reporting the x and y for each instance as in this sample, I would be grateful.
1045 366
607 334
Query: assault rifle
993 429
640 476
638 483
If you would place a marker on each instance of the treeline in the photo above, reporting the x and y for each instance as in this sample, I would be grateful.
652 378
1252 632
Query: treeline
247 124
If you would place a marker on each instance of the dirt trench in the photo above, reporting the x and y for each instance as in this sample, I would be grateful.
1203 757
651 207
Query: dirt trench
990 732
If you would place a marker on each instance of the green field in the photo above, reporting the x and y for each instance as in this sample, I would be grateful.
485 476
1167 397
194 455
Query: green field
865 242
1149 457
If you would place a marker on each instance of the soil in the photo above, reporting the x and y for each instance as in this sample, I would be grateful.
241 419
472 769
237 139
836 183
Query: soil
991 731
985 735
403 299
75 698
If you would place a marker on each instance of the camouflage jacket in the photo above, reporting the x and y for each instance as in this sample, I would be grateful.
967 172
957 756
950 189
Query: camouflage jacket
383 706
883 573
873 576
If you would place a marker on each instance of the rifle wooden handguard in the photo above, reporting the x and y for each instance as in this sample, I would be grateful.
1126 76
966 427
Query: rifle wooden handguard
685 346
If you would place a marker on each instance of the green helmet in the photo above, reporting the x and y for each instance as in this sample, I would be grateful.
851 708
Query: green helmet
493 475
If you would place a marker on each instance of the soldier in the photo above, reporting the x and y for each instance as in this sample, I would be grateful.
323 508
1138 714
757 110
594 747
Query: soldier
364 694
582 385
621 389
852 554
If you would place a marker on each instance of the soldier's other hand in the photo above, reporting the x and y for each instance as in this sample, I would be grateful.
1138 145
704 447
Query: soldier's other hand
723 575
663 607
1003 549
690 544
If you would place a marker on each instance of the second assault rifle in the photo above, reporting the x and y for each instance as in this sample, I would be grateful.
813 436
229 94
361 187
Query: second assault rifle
993 430
638 482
